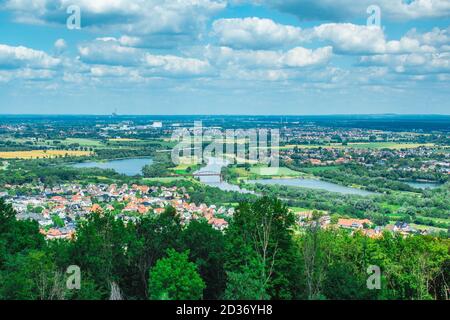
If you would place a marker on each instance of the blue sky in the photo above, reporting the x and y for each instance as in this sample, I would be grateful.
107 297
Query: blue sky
225 57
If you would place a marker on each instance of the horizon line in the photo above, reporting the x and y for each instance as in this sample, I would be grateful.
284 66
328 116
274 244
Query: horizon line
223 115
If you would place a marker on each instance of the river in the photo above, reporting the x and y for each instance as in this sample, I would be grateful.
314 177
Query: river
424 185
133 166
215 166
314 184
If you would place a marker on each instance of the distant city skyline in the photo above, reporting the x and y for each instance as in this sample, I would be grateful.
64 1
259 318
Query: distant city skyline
225 57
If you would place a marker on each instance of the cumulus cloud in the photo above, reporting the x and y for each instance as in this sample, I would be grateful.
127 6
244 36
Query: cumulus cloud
349 38
181 18
301 57
414 63
255 33
110 51
346 38
176 66
266 65
26 74
298 57
340 10
22 57
60 46
437 37
417 54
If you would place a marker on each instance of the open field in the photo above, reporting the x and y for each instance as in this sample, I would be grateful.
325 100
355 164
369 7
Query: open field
267 171
82 142
421 227
261 172
123 140
183 169
40 154
298 209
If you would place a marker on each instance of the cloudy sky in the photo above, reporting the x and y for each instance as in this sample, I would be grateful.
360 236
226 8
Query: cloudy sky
225 57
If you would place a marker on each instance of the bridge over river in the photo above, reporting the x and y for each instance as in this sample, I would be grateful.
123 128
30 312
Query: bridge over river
200 174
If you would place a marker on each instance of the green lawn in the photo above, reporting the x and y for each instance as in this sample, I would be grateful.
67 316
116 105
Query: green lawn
282 171
82 142
392 207
181 169
421 227
438 220
298 209
241 172
395 217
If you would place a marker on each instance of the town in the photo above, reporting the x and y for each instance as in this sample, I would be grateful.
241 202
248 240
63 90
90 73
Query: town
57 209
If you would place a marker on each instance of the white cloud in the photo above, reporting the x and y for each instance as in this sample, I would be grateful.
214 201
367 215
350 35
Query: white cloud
414 63
176 66
349 38
437 37
255 33
296 58
109 51
346 38
60 46
300 57
23 57
416 54
180 18
27 74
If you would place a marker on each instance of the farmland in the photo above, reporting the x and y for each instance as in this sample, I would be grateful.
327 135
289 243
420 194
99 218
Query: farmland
282 172
82 142
41 154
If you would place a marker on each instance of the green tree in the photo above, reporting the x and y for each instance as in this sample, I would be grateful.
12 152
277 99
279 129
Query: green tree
153 236
16 236
31 276
205 245
245 285
101 249
175 278
260 238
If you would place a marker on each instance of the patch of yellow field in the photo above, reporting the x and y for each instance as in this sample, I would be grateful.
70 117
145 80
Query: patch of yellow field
40 154
185 162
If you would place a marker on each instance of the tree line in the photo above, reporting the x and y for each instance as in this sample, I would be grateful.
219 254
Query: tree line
262 255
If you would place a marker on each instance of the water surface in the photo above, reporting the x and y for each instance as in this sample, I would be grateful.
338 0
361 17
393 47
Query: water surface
424 185
314 184
129 167
215 166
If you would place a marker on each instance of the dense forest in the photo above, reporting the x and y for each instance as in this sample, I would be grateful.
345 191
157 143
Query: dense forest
262 255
